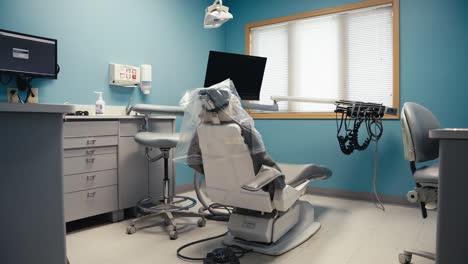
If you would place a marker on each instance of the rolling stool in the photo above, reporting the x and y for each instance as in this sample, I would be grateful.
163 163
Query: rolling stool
168 207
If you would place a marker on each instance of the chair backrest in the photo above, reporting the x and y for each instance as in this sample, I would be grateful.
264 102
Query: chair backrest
416 122
227 166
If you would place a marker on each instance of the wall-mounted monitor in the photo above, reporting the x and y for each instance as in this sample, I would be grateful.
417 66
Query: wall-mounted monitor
28 55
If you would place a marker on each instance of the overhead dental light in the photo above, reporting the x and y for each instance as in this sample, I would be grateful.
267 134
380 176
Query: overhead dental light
216 15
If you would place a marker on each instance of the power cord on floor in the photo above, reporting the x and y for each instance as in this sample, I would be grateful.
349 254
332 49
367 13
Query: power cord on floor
378 202
232 253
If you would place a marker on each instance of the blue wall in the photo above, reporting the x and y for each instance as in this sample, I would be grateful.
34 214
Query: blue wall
434 64
168 34
91 34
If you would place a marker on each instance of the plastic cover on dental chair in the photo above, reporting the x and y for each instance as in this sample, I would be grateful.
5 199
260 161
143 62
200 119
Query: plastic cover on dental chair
218 139
218 103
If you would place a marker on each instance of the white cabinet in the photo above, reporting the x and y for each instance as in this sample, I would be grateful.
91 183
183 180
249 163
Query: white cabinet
133 173
105 170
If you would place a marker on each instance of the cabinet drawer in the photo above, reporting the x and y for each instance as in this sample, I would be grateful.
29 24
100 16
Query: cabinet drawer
88 151
76 165
128 128
91 202
90 180
89 142
90 128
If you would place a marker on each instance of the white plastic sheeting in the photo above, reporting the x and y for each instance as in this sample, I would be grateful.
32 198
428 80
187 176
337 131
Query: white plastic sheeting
218 104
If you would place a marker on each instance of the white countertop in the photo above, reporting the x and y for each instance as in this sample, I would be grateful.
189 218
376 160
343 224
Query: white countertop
449 133
108 117
36 108
115 112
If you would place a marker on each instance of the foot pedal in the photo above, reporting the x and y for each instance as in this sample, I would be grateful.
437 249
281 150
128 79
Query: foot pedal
221 255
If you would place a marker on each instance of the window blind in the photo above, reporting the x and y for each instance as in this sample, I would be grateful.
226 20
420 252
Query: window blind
272 42
346 55
369 46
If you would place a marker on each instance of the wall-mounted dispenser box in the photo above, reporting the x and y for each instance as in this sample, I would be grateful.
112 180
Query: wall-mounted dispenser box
146 78
124 75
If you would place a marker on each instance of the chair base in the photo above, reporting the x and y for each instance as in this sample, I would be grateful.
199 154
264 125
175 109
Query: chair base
169 220
406 256
297 235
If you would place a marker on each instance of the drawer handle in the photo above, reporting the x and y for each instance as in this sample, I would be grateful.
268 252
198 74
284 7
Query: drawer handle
90 160
90 177
90 152
91 194
90 141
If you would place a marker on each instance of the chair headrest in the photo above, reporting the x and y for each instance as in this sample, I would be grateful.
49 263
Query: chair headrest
214 100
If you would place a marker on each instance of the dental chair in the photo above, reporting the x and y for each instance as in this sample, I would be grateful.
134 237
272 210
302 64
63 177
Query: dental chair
416 122
268 216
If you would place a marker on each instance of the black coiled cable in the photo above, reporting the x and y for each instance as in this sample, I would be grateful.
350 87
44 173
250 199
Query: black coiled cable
371 117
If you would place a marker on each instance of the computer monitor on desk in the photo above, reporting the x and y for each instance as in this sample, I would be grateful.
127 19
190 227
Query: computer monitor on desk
245 71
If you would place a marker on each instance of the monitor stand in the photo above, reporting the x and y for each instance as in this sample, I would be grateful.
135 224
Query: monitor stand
24 84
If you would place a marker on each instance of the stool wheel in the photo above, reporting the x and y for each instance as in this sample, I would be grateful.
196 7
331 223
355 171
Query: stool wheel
404 258
201 222
131 229
173 235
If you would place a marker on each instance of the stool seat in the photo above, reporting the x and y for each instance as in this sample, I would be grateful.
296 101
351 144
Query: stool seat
157 140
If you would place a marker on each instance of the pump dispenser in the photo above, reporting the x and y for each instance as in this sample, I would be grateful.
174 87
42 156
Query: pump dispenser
100 104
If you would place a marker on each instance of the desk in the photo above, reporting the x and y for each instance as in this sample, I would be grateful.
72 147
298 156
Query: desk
452 227
31 192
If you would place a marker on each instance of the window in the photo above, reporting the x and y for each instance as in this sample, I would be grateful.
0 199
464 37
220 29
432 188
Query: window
348 52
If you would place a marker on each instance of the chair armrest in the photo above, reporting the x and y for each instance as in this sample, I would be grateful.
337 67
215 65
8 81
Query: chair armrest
148 109
265 176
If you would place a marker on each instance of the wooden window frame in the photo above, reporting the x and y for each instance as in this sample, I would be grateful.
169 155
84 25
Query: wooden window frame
328 11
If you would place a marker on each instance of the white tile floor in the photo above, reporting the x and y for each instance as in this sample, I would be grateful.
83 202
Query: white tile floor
352 232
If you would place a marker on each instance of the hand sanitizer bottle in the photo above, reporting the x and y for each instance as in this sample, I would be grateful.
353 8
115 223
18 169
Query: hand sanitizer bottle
100 104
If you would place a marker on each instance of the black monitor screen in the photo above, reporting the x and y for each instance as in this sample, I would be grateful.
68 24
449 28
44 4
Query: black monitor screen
245 71
29 55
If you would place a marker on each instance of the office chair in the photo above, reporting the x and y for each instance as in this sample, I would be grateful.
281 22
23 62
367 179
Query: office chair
168 206
222 143
416 122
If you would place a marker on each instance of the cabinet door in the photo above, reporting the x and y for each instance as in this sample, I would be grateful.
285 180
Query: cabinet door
133 173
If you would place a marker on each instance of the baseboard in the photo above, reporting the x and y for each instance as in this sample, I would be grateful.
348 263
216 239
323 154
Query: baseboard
360 196
184 188
336 193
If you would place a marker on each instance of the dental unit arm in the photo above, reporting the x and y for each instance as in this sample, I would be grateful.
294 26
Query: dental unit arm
146 109
369 114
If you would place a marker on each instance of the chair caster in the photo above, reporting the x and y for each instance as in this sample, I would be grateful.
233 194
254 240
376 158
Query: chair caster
131 229
412 196
201 222
173 235
404 258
